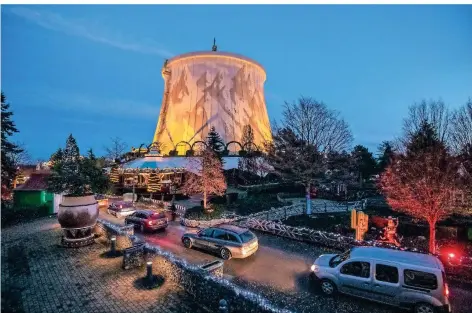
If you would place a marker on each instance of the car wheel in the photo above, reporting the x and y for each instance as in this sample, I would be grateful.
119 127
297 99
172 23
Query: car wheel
225 254
328 287
142 228
424 308
187 243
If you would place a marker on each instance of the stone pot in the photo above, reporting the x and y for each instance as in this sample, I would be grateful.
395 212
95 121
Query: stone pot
77 216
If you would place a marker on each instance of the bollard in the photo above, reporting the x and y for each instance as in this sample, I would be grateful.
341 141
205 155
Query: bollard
149 270
224 308
113 245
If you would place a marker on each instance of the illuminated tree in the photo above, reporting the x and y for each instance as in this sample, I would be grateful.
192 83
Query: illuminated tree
153 184
20 178
114 175
206 176
421 181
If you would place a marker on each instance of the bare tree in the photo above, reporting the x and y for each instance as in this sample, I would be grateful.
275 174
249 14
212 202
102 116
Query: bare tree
433 112
313 122
461 128
207 176
116 149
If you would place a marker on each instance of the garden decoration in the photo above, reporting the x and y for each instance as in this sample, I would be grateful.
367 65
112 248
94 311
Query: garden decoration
359 222
390 232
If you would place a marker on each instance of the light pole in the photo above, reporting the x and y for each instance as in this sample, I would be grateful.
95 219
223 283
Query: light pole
135 180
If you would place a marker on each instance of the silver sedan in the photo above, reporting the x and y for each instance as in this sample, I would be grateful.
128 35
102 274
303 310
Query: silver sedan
227 241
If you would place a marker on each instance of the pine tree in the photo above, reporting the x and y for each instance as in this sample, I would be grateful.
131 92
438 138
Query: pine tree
153 184
9 149
386 154
214 141
364 163
75 175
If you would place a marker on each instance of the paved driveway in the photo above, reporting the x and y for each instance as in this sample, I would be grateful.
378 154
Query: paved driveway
279 270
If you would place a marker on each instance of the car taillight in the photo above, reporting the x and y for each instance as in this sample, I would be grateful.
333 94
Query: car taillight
446 290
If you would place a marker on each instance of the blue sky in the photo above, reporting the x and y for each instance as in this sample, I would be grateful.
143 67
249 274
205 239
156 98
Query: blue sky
94 71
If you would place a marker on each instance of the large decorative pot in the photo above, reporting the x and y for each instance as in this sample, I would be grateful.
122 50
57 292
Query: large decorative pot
77 216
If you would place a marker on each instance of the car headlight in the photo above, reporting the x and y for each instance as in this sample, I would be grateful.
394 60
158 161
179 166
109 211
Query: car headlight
315 268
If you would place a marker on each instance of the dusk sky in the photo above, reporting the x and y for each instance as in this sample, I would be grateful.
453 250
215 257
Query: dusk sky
95 71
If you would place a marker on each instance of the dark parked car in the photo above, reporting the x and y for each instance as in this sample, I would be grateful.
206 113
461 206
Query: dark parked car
227 240
121 209
147 220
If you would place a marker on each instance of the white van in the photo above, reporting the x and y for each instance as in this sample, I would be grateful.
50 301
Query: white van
399 278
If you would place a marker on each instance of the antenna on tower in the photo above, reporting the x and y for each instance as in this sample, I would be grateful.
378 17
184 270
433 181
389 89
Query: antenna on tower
215 47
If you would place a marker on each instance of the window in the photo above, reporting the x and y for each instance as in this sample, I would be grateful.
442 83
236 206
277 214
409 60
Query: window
358 269
247 236
386 273
232 237
207 232
339 258
219 234
156 216
420 279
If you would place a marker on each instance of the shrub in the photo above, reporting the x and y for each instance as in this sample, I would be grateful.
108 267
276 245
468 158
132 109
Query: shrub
197 213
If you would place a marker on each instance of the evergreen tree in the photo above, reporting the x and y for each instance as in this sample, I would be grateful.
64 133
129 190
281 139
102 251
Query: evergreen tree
364 163
214 141
9 149
153 184
386 154
75 175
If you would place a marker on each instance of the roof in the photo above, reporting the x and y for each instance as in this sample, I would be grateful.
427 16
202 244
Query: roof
36 182
174 162
406 257
234 229
215 54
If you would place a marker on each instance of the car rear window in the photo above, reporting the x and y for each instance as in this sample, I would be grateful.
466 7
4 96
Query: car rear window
420 279
156 216
247 236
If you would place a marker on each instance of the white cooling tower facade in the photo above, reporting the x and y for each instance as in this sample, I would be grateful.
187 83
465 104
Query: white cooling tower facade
205 89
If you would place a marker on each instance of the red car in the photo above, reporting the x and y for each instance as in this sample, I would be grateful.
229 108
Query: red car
147 220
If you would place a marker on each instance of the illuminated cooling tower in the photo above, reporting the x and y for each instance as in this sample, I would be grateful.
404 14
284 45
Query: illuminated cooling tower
205 89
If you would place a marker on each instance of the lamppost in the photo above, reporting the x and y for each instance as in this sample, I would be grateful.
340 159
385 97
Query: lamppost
135 181
173 189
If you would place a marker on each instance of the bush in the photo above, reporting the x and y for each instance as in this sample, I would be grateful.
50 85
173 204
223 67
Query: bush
197 213
255 203
12 215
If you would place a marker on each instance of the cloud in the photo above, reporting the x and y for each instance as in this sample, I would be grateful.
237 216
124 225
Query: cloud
87 30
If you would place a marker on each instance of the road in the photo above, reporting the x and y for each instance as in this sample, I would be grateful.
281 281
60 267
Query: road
279 270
